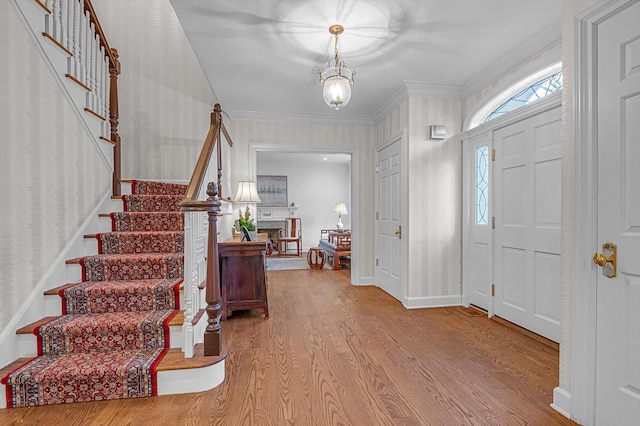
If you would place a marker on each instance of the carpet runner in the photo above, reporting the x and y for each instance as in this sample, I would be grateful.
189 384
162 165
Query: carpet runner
113 330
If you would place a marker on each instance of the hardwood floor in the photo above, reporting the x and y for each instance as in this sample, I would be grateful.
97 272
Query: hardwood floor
331 353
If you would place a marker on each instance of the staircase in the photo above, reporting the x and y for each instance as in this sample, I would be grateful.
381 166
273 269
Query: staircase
122 317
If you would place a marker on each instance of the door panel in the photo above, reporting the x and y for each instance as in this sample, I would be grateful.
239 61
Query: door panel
527 174
618 298
390 250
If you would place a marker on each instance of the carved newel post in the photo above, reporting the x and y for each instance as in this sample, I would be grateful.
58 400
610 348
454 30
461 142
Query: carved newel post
213 333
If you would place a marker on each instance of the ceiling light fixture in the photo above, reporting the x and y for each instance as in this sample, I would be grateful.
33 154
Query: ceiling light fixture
337 78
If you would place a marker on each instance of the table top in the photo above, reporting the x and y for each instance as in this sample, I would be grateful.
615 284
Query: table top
261 238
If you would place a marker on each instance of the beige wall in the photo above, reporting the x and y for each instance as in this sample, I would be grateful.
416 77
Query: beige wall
434 198
165 100
51 173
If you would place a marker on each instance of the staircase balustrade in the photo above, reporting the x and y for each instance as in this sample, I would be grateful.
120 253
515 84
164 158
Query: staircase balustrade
85 66
202 208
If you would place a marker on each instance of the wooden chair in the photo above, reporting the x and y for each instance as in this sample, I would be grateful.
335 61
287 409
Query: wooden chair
324 233
291 233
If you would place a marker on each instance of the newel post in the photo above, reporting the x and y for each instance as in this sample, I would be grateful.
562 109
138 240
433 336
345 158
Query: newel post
213 333
114 119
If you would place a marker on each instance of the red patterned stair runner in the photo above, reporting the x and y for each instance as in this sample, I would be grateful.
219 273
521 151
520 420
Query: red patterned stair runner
114 328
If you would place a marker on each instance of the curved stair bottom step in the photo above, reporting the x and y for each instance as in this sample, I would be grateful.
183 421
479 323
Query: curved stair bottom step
175 374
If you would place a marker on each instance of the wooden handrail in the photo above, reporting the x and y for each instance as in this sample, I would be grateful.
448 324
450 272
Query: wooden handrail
190 203
114 117
93 17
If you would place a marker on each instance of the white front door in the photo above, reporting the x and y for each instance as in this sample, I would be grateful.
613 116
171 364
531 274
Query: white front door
526 206
389 213
618 299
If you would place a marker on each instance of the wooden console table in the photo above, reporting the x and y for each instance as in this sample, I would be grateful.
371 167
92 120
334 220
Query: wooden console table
242 275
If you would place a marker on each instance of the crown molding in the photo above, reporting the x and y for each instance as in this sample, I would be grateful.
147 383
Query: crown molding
545 39
323 117
414 89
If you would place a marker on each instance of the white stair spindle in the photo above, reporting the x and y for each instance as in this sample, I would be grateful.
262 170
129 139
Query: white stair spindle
64 23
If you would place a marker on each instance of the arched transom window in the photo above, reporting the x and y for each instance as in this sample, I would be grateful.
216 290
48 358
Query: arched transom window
538 90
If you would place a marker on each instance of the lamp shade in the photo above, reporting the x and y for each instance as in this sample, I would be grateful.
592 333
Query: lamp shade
247 193
340 209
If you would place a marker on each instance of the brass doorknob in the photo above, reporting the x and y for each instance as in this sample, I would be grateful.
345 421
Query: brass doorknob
607 260
600 259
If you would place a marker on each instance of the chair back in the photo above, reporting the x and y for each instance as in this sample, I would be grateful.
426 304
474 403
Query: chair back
293 227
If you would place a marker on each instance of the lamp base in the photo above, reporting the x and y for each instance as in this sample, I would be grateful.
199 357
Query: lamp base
340 226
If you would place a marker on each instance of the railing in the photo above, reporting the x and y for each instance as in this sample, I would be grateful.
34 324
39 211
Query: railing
201 230
91 66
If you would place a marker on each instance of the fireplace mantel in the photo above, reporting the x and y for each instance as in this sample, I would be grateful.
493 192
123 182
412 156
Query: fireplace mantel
278 214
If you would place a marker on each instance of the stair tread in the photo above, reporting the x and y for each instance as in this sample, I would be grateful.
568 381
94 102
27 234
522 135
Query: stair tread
28 329
173 360
76 261
176 321
56 291
12 366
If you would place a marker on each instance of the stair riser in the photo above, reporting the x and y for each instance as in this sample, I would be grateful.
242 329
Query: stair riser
165 267
28 342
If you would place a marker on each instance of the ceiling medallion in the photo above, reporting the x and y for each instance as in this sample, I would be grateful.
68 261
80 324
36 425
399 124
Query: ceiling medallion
337 78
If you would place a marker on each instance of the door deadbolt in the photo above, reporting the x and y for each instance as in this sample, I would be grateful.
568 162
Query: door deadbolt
607 259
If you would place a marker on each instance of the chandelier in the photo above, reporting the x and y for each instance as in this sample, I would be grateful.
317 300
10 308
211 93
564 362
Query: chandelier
337 78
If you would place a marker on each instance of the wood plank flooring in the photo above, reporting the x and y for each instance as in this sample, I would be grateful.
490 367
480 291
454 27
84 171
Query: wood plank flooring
335 354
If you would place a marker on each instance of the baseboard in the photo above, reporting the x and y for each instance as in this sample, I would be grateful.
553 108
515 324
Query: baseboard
433 301
562 402
34 306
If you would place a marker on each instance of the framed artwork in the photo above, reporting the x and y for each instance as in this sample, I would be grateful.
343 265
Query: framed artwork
272 191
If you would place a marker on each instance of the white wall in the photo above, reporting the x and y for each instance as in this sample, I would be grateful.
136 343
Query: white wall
315 188
51 173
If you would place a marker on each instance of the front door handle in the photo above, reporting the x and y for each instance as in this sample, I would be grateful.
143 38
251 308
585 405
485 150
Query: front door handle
607 259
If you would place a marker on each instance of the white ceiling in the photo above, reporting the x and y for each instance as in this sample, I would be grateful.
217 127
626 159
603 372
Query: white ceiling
262 56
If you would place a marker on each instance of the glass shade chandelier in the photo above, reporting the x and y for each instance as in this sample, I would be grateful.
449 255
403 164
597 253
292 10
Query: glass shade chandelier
337 78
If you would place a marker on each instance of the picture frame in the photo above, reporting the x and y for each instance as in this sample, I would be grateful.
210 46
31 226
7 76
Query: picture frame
272 190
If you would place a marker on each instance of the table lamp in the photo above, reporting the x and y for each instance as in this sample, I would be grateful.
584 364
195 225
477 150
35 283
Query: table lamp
340 209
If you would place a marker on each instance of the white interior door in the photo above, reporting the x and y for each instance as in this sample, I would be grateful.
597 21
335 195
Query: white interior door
526 206
389 224
618 299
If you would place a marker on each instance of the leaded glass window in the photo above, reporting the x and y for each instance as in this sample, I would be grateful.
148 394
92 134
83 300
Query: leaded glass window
539 90
482 185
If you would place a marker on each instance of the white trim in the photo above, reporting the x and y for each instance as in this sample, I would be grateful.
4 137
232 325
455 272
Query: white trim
561 402
333 117
356 226
413 89
486 130
514 85
433 301
585 204
534 108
